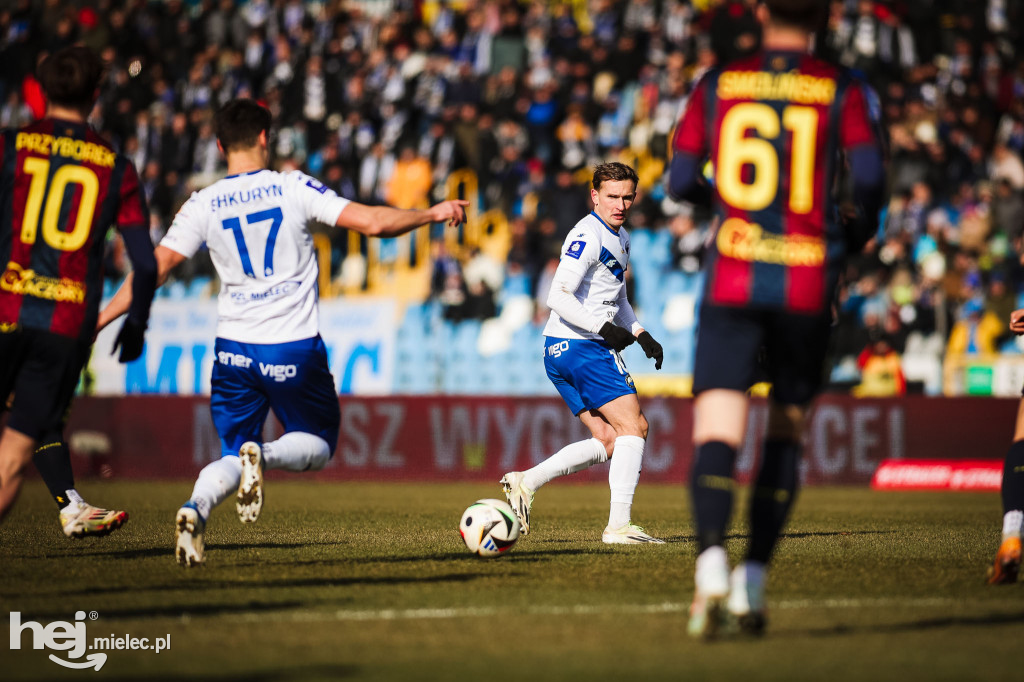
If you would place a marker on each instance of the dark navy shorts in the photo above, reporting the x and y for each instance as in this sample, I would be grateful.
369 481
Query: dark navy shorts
41 369
587 374
293 379
730 341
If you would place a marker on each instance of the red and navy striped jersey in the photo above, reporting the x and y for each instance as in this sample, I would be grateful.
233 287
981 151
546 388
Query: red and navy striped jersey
61 188
773 125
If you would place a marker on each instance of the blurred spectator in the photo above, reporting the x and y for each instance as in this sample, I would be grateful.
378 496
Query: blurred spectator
484 277
446 283
410 181
881 370
975 332
687 243
1008 210
1007 165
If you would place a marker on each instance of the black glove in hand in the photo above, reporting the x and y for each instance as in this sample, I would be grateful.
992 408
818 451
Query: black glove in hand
652 348
617 337
130 339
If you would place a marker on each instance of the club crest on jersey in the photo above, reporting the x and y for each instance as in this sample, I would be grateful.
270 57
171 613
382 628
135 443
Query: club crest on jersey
575 249
315 184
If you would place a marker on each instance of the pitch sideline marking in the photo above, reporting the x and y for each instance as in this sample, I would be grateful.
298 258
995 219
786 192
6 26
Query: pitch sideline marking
579 610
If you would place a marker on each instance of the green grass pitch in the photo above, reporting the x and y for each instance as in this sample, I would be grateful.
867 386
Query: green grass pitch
360 581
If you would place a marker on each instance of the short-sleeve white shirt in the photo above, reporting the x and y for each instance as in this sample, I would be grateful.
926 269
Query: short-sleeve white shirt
255 226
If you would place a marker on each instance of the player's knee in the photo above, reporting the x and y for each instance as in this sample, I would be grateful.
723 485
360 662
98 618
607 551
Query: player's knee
643 427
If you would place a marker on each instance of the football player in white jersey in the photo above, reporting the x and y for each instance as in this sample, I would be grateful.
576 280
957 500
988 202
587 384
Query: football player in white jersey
268 352
591 322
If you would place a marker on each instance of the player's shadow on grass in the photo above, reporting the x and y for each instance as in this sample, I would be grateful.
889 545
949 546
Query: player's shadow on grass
831 533
222 585
168 549
916 625
746 536
309 672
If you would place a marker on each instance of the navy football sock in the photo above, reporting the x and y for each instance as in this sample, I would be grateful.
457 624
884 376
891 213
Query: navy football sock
711 491
772 497
53 460
1013 478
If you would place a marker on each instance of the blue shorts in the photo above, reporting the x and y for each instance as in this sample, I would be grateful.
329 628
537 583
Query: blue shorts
292 379
735 346
587 374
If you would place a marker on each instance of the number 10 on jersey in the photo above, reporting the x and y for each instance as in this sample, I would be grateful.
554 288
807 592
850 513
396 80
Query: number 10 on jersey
235 225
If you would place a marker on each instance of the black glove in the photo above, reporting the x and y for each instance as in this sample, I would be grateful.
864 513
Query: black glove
130 339
616 337
652 348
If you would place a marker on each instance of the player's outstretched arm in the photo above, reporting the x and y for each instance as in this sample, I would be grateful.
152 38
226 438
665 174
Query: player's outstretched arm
166 260
385 221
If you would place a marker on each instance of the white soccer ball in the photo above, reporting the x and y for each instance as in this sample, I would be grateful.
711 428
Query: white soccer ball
489 527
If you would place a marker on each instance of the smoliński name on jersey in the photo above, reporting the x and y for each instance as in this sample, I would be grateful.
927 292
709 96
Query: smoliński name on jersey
789 86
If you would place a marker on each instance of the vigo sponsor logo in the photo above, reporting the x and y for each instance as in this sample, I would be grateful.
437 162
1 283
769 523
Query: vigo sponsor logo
17 280
748 241
234 359
556 349
279 372
72 638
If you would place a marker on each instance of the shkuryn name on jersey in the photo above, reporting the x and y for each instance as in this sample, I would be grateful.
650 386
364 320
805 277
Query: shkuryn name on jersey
245 196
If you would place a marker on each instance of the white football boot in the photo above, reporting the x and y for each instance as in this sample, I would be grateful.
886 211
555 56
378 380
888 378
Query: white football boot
188 536
711 581
80 520
249 500
519 497
630 534
746 597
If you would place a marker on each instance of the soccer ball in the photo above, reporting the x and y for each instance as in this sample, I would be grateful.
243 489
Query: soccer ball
489 528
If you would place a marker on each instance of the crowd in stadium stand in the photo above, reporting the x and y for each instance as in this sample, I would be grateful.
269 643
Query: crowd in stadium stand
383 99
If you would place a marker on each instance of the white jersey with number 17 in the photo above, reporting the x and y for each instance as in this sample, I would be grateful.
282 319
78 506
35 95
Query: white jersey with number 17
256 228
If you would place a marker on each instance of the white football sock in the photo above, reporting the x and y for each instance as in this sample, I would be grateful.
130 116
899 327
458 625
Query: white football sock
623 475
1012 523
296 451
217 481
75 500
570 459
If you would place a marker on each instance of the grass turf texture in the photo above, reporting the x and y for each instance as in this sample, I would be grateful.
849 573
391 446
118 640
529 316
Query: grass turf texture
371 581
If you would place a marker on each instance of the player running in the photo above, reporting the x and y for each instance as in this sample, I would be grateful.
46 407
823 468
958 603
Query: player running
268 352
77 517
591 323
61 188
773 125
1006 566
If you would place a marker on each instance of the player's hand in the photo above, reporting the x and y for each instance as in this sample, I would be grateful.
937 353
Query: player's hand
652 348
453 211
617 337
130 339
1017 322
